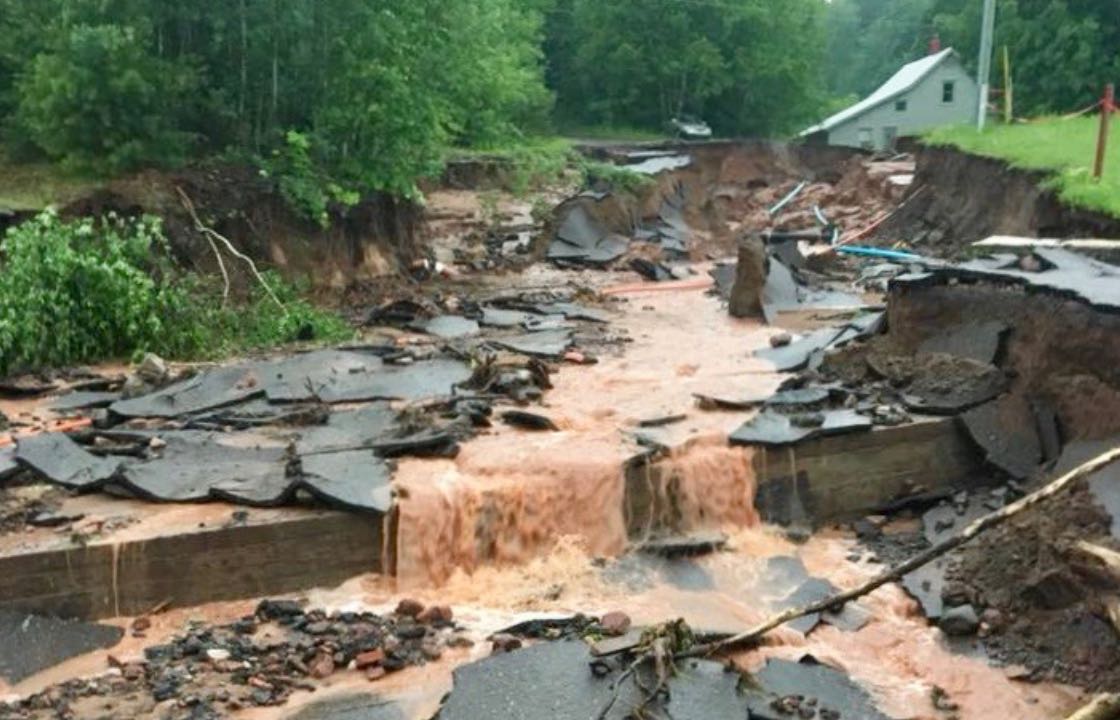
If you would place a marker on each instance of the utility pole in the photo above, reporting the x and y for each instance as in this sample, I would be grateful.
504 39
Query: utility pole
985 71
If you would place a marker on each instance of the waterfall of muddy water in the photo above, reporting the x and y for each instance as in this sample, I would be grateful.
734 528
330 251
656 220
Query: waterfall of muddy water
511 495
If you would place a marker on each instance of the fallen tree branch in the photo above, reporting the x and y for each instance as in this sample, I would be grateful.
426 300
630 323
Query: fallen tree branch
751 637
213 235
1110 559
1102 707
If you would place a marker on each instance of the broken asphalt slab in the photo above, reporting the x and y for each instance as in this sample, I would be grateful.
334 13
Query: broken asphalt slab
1007 431
1065 273
806 681
800 353
976 341
773 428
65 462
547 343
331 376
30 644
553 681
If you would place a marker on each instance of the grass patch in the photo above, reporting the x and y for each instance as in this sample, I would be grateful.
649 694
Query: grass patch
1063 147
37 186
101 289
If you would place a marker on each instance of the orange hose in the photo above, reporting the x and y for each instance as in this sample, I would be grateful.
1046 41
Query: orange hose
702 283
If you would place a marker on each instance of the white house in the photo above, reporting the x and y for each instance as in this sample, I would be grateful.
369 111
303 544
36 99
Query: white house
924 94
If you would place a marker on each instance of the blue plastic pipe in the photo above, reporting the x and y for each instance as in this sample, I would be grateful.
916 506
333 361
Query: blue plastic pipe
878 252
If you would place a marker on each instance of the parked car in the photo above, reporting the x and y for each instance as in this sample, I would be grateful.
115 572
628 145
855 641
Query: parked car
690 128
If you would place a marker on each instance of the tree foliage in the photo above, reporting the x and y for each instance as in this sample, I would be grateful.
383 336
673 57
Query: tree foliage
743 65
379 87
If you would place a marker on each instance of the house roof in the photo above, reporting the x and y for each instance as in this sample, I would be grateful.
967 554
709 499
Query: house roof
902 81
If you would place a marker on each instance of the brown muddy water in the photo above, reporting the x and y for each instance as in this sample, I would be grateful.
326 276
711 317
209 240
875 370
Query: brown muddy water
521 525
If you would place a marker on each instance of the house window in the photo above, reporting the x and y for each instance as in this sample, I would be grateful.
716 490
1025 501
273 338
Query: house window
866 139
948 89
900 105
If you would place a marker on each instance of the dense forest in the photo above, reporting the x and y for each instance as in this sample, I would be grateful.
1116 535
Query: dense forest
374 91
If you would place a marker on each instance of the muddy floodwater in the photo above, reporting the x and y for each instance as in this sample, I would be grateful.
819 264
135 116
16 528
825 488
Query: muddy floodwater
522 525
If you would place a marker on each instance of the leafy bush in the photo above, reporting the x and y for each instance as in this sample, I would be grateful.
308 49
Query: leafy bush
89 290
306 188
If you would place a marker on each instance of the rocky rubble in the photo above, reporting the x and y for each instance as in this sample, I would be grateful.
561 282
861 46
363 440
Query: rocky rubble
212 671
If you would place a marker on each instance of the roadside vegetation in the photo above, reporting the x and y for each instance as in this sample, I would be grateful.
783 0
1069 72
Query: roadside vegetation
89 290
1064 147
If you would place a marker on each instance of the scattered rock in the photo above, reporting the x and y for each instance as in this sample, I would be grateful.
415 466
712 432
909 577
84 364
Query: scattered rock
369 658
375 673
322 666
409 607
959 621
435 615
153 370
615 623
780 340
503 643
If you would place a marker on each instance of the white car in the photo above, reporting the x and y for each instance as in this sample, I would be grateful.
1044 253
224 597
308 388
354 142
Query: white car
690 128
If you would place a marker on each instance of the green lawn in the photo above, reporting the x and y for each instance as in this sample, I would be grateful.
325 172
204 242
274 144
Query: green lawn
1065 147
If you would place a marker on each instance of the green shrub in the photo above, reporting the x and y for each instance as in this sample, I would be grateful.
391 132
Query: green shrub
90 290
307 189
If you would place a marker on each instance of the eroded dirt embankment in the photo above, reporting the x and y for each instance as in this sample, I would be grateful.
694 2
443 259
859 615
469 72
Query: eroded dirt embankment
958 198
371 239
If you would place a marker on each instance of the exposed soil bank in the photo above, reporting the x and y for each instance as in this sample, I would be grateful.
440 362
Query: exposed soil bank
727 187
958 198
371 239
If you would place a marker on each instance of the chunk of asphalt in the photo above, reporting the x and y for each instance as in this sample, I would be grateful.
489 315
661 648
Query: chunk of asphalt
795 356
572 311
978 341
8 465
30 644
414 381
59 459
194 466
549 343
799 396
551 681
1007 432
503 318
832 689
811 591
332 376
450 327
529 421
774 428
84 399
354 480
206 391
724 276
